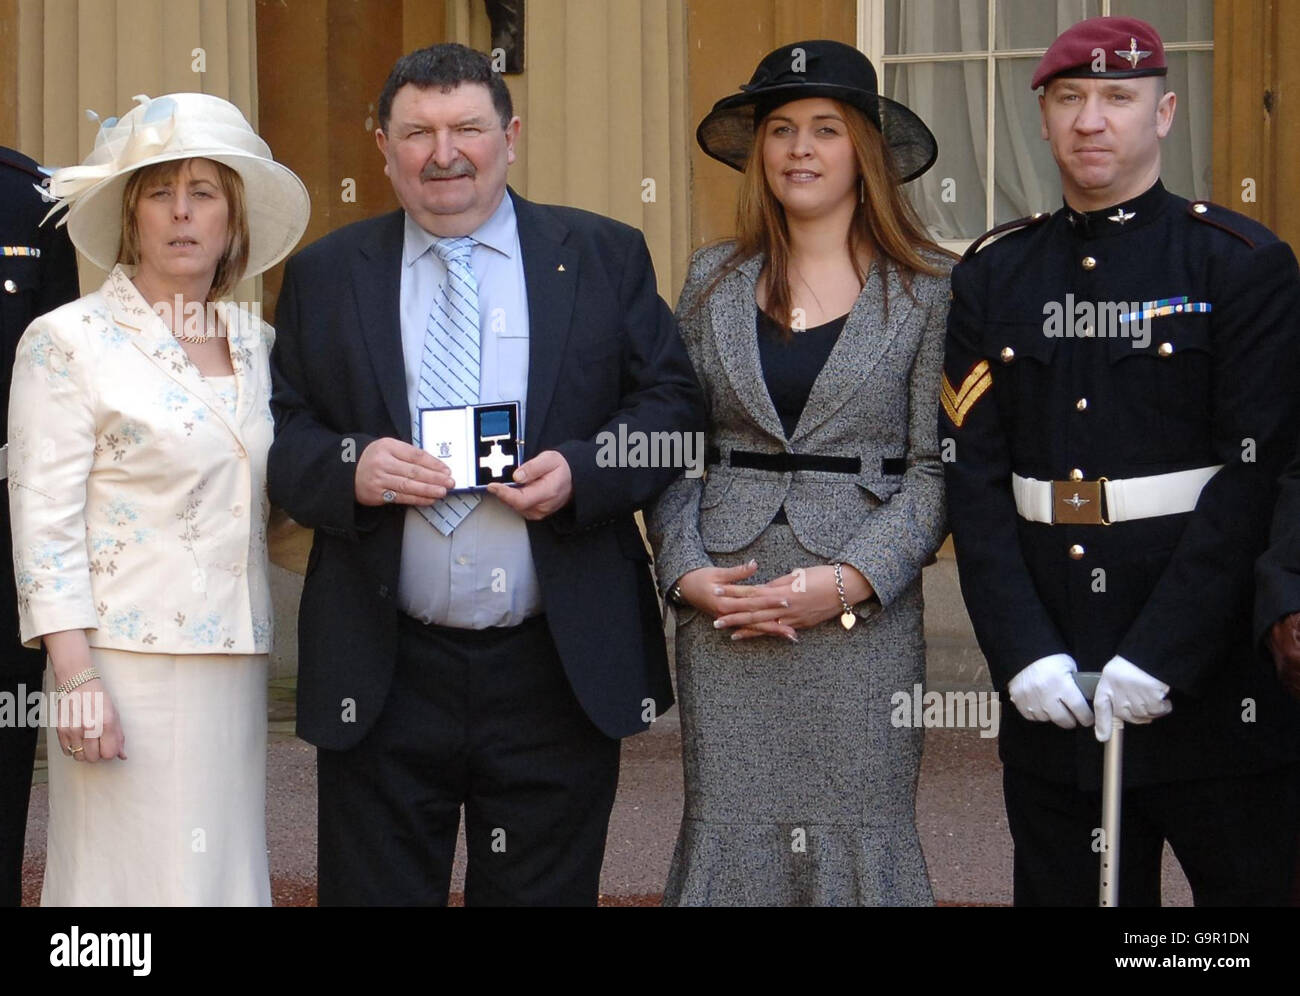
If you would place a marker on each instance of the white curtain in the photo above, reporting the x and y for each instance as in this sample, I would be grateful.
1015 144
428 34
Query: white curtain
952 98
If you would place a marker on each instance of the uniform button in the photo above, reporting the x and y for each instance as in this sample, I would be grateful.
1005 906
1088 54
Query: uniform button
1089 332
1008 354
1076 474
1081 405
1089 263
11 287
1077 551
462 560
1199 208
1165 349
236 570
383 591
237 510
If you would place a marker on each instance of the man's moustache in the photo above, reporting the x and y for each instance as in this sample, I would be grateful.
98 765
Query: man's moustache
437 173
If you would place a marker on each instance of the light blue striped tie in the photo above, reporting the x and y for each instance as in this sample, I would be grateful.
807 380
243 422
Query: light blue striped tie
449 367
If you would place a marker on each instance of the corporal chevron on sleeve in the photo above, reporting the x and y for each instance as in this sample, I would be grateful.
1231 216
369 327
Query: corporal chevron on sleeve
957 402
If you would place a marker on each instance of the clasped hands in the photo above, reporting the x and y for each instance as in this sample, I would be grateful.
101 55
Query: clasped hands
1045 691
417 477
803 598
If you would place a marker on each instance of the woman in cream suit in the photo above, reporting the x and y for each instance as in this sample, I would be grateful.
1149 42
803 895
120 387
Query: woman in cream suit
139 426
795 566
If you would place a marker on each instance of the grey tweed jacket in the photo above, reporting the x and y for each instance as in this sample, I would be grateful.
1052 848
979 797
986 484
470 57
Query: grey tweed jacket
877 398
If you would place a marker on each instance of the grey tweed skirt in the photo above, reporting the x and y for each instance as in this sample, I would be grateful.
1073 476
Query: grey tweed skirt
799 791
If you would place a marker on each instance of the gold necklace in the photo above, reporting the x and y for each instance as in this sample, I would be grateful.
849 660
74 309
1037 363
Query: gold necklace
198 340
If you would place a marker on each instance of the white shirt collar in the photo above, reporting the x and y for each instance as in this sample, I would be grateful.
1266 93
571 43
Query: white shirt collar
497 232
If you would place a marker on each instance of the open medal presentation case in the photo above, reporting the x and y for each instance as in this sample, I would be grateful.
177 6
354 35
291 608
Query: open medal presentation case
478 443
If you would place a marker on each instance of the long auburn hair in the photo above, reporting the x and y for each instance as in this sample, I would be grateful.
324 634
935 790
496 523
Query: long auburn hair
885 223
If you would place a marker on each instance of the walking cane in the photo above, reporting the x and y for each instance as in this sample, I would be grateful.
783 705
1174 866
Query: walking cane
1112 785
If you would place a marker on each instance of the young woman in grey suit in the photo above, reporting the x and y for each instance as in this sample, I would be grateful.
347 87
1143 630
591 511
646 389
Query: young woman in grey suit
795 566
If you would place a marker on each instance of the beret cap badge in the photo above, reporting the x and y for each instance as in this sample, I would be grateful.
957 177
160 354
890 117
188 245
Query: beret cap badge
1133 55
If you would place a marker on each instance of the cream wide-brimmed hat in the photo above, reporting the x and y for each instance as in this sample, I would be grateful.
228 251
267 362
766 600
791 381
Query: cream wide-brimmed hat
163 129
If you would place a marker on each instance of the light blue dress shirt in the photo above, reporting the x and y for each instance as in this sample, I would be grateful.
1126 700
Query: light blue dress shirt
482 574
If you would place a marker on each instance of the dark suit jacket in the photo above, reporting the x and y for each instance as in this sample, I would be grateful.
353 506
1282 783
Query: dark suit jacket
1277 572
603 351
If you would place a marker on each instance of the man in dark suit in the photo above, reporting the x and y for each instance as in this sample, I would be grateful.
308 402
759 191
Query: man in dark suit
484 649
38 272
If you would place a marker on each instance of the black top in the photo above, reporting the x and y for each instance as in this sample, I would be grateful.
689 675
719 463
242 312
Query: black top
790 368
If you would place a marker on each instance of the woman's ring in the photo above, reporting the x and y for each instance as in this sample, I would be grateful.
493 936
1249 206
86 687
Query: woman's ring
389 497
76 750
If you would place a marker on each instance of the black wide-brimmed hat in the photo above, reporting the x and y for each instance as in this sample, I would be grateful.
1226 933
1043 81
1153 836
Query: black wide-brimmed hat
818 68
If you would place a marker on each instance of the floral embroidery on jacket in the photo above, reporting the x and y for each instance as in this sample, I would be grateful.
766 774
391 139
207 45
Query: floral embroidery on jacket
205 631
189 515
120 512
180 403
261 629
26 582
131 623
127 435
48 356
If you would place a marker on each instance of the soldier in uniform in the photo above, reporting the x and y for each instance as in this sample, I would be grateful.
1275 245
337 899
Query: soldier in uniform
1119 390
38 272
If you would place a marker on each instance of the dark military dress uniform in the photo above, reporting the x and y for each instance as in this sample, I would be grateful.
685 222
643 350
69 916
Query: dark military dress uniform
1038 385
38 272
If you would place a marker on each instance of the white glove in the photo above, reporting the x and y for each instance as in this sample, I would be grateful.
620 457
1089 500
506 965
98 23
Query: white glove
1046 690
1130 694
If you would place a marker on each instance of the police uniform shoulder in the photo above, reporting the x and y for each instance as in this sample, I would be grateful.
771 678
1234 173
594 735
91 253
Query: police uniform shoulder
1247 230
1029 221
15 160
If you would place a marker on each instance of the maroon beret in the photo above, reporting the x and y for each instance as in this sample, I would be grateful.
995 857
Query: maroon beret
1129 48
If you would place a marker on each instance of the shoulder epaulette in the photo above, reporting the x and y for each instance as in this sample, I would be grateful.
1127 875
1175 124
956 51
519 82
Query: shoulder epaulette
18 161
1033 219
1201 211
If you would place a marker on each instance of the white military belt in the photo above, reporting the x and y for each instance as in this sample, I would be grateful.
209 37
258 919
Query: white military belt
1101 502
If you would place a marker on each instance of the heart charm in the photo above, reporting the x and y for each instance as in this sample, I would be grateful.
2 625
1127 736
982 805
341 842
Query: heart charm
848 620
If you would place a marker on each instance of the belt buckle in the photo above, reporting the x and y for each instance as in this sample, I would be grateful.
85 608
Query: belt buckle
1078 503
